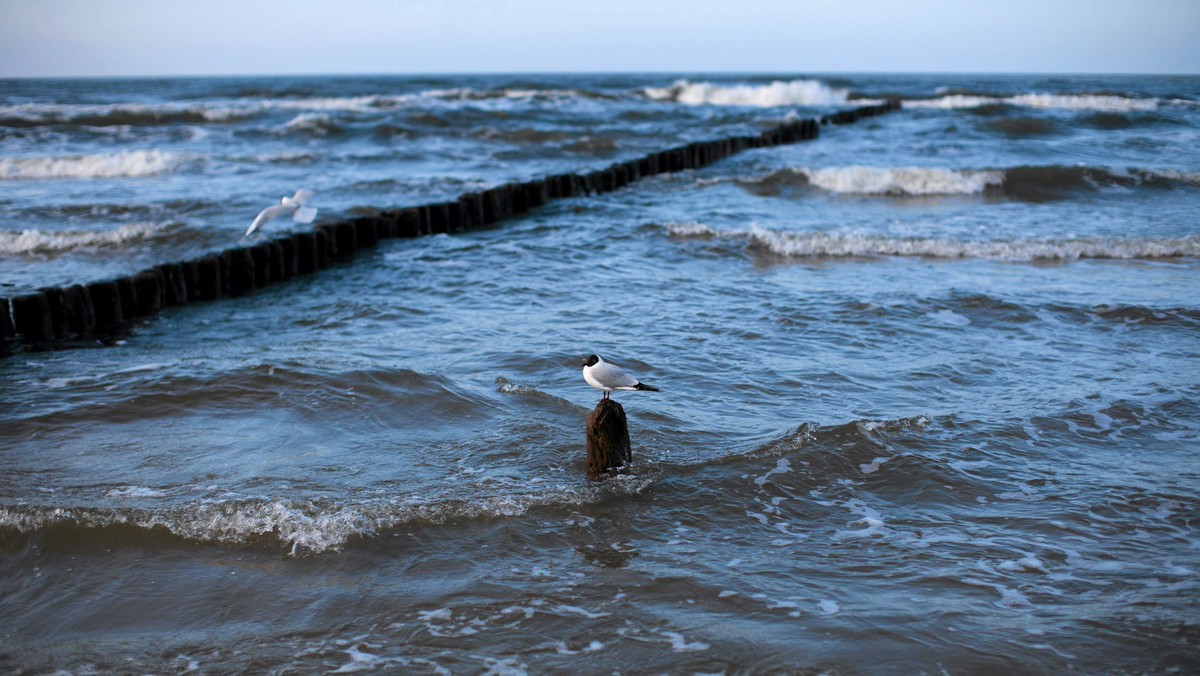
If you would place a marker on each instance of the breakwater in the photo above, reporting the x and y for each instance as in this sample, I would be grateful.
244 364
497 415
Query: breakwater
60 316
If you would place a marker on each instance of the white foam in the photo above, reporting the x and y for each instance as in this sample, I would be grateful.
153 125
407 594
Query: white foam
576 610
906 181
319 123
56 113
135 492
873 466
1023 563
681 645
872 522
59 383
834 244
124 164
1176 175
306 527
153 366
1102 102
949 318
778 93
364 661
34 241
782 466
441 615
691 229
334 103
829 607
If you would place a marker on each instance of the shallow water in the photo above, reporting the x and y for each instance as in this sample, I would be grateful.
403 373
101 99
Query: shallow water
929 397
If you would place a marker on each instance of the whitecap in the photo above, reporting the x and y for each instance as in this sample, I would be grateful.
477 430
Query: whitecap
690 229
777 93
1102 102
154 366
681 645
949 318
124 164
135 492
1022 564
318 123
806 244
33 241
906 181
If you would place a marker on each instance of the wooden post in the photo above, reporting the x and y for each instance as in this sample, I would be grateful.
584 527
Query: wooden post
608 448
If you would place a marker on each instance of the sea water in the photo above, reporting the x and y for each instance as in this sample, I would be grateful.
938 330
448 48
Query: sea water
930 394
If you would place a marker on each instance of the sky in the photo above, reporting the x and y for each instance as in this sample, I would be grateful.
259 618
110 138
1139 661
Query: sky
67 38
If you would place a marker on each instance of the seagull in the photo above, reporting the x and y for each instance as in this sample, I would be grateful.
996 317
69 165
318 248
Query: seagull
293 205
608 377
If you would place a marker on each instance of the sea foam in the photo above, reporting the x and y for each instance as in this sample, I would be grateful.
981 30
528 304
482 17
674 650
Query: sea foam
33 241
820 244
778 93
125 164
901 180
1104 102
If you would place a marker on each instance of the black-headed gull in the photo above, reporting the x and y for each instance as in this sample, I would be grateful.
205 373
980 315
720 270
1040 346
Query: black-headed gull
293 205
608 377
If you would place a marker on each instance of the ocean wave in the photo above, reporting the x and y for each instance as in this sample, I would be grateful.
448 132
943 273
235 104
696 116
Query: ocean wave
39 115
296 157
901 181
1033 183
302 527
815 244
1021 127
110 211
27 115
320 124
52 242
778 93
521 135
509 93
1102 102
125 164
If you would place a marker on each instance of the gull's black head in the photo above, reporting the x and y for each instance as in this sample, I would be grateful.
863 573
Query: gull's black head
592 361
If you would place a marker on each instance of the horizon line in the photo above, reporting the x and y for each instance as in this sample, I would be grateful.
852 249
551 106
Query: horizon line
759 73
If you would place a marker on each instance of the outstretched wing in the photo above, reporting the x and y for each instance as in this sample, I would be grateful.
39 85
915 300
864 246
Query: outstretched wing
305 214
266 215
301 196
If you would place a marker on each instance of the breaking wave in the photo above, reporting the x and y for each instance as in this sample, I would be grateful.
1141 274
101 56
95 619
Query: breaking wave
125 164
815 244
1026 182
40 242
319 124
1102 102
902 180
303 527
778 93
38 115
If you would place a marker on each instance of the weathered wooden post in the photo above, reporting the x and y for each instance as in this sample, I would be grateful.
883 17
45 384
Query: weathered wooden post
608 448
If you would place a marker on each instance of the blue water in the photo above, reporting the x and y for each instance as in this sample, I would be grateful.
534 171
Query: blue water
930 396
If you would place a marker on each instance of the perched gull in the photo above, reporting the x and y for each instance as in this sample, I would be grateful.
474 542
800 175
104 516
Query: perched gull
608 377
293 205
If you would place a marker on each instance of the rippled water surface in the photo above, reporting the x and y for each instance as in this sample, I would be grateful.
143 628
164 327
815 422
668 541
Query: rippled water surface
930 397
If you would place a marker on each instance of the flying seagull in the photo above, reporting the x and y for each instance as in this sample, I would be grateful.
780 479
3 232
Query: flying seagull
293 205
608 377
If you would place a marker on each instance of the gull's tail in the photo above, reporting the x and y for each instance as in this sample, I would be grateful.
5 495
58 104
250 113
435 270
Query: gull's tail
644 386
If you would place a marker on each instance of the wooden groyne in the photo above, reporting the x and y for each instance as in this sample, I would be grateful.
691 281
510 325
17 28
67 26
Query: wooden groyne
55 317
